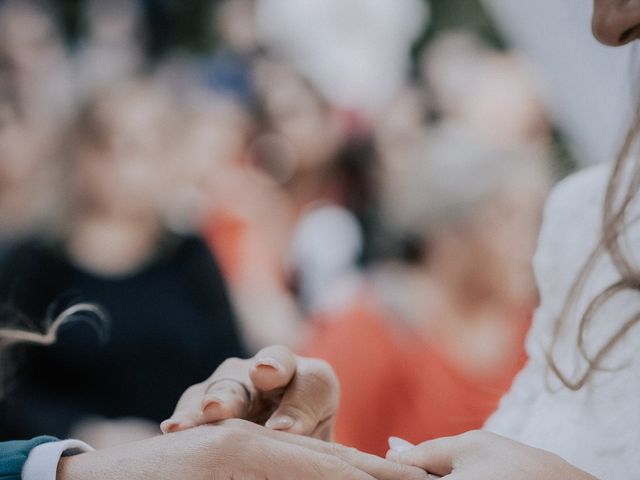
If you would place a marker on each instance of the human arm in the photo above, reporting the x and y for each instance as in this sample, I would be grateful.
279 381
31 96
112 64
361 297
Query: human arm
479 455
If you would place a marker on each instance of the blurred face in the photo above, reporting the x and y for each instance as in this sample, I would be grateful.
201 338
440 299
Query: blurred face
28 35
296 112
125 173
616 22
210 151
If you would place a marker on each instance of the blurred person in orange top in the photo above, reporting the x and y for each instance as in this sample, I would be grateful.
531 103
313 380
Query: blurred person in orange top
431 343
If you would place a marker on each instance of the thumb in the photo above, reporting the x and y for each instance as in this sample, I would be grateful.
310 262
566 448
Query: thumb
309 402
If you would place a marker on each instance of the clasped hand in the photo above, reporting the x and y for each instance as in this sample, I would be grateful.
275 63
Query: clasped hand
272 416
294 395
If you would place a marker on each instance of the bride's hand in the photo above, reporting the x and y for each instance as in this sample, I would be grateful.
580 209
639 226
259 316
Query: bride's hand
481 455
274 388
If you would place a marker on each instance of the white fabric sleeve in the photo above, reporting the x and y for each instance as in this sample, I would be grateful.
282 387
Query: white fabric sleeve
42 462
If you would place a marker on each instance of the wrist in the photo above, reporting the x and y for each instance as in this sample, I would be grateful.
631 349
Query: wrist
68 468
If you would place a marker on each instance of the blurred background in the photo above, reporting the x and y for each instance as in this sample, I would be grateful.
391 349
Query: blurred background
360 180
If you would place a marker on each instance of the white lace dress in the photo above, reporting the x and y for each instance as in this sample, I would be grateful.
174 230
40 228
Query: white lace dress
597 428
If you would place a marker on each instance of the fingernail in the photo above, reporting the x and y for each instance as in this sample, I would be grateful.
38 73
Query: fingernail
169 426
268 362
282 422
398 445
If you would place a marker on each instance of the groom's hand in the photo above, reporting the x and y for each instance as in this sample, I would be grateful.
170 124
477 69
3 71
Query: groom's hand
232 449
275 388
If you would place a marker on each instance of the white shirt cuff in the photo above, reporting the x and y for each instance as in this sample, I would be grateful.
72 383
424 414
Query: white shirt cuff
42 462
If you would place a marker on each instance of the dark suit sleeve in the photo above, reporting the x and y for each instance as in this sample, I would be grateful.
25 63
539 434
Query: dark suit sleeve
14 454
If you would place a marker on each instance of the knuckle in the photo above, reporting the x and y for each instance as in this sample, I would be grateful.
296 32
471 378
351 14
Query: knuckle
332 467
229 437
236 425
338 450
192 391
409 473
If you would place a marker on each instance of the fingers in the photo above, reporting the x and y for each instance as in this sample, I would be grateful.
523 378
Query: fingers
187 412
225 399
435 456
374 466
310 400
273 368
275 387
377 467
226 394
312 465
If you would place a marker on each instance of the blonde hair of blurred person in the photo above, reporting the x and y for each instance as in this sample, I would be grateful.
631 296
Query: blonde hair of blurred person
474 212
439 327
112 47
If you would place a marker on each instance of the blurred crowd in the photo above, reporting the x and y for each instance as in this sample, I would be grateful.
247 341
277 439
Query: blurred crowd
307 182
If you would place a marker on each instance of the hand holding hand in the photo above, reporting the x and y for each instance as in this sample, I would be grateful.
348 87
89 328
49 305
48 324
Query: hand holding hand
274 388
481 455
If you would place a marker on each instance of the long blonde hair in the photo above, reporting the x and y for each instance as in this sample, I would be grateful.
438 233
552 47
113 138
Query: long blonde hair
619 197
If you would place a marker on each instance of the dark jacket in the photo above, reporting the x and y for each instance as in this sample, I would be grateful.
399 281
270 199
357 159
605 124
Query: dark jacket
13 456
